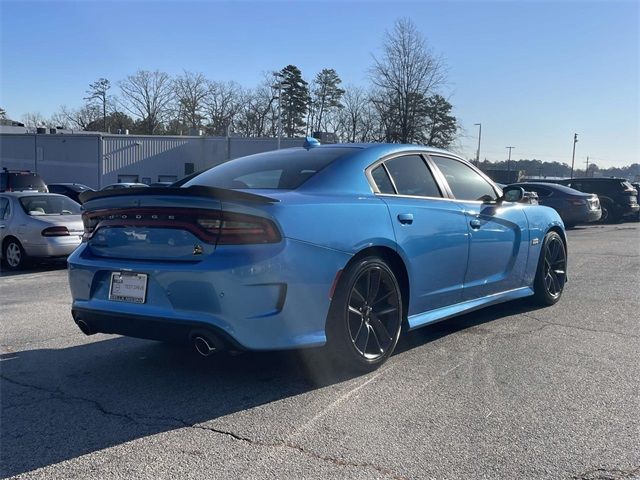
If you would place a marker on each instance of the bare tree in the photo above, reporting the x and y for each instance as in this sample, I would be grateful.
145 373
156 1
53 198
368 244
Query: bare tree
33 120
148 96
3 113
258 112
98 96
76 118
405 75
223 102
355 103
191 92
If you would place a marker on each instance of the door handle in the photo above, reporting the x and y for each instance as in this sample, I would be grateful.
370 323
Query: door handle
475 223
405 218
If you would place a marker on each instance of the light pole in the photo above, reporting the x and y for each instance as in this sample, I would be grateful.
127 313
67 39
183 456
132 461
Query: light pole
279 85
573 155
586 171
479 138
509 163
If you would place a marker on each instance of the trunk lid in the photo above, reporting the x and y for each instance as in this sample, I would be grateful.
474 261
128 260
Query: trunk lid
177 224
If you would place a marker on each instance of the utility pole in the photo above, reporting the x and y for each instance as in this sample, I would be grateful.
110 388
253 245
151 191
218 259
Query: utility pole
479 138
573 155
278 76
586 172
509 162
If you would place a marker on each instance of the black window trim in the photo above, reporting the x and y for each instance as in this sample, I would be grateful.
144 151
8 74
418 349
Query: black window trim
437 176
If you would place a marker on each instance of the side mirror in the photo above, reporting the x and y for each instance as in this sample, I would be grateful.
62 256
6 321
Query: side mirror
512 194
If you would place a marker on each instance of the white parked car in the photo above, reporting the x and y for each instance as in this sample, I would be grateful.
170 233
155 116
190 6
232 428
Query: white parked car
37 225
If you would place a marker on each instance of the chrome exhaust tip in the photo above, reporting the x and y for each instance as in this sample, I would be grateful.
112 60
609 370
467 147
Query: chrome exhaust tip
203 346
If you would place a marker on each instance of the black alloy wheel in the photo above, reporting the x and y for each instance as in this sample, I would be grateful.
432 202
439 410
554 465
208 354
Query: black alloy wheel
366 318
551 275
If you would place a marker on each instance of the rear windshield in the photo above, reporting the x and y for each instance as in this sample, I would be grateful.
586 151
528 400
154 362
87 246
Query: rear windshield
49 205
281 169
25 181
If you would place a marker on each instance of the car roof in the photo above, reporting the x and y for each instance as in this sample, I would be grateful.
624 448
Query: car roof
30 193
596 179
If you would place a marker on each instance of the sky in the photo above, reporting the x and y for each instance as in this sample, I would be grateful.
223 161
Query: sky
532 73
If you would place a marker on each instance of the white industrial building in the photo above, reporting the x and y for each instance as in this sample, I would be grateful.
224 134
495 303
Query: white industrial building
98 159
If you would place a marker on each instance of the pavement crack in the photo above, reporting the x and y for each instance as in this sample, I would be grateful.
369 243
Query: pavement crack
299 448
65 397
139 419
575 327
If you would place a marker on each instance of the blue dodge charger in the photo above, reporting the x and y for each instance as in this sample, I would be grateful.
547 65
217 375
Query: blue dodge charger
341 245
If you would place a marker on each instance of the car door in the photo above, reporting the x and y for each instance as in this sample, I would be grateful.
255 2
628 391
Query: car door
430 230
498 232
5 212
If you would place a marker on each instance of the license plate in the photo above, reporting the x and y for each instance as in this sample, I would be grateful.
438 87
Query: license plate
128 287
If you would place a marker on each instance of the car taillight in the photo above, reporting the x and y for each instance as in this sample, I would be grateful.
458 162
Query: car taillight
55 232
238 229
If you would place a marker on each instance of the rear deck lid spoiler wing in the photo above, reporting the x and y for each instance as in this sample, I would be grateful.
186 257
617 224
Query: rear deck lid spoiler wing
193 191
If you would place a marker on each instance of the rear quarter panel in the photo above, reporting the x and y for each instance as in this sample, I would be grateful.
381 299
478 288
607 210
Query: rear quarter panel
541 220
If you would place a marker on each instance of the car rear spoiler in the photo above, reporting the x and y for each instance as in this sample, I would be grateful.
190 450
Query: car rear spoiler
193 191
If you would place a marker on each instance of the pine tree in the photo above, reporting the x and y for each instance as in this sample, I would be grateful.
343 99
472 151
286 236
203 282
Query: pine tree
295 98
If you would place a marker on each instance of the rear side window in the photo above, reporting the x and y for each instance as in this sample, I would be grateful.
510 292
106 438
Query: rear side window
281 169
465 183
412 176
379 175
4 208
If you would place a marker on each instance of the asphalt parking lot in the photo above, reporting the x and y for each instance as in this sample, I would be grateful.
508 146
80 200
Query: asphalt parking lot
507 392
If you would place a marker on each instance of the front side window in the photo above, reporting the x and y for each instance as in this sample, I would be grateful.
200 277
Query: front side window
541 191
412 176
465 183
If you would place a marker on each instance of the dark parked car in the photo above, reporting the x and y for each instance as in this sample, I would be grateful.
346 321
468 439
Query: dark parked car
574 207
636 185
618 199
529 197
21 181
71 190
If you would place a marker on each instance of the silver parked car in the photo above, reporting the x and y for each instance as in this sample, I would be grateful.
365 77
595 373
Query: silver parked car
38 225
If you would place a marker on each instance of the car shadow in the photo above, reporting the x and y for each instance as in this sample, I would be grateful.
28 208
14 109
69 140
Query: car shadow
39 267
58 404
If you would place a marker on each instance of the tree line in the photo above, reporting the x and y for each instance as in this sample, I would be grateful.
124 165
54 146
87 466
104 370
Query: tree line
539 168
402 102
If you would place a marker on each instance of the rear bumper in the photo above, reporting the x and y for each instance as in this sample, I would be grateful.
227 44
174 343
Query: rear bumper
53 247
261 297
630 210
586 215
140 326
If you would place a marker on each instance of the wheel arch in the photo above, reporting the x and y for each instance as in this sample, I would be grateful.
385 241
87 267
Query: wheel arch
397 265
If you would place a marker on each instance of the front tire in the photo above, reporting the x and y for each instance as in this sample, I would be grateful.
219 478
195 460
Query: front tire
551 274
14 255
365 318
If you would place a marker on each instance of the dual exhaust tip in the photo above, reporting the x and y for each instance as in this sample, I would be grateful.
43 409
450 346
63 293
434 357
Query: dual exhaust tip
205 344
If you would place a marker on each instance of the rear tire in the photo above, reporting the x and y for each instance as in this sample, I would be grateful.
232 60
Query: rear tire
13 254
365 318
551 274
